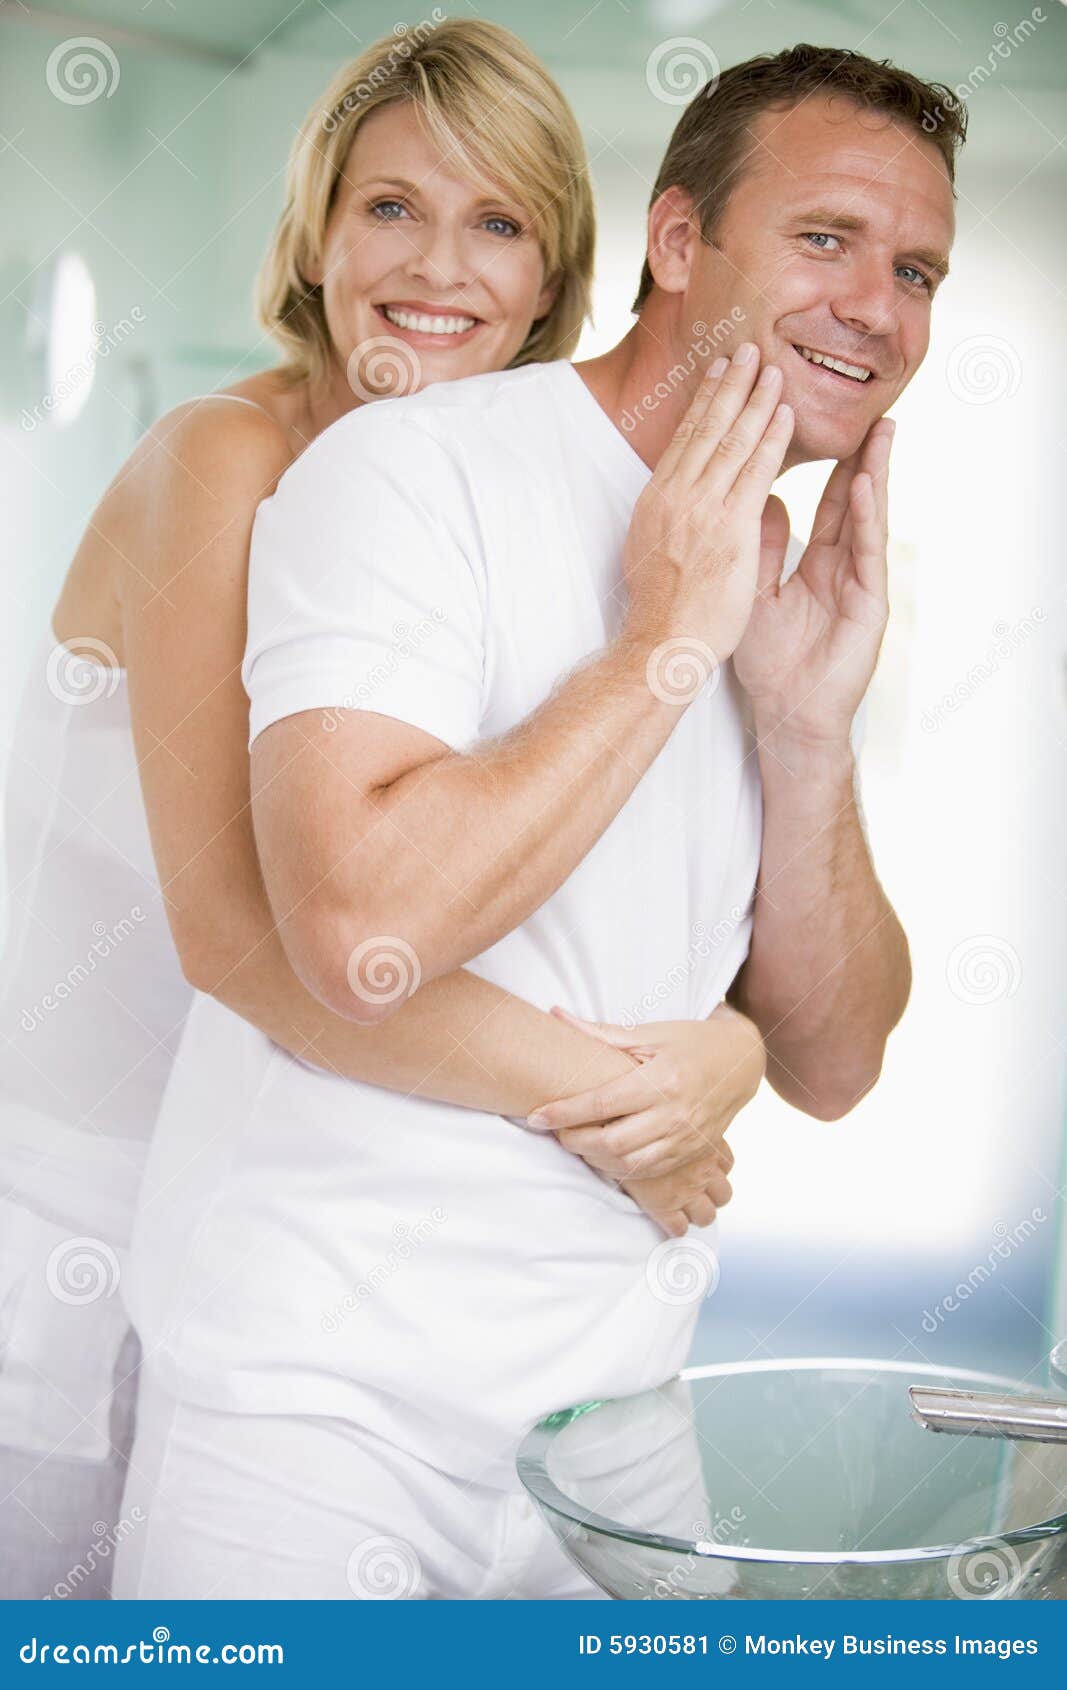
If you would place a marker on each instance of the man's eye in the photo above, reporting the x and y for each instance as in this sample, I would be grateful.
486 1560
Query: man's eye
388 211
817 238
502 226
914 277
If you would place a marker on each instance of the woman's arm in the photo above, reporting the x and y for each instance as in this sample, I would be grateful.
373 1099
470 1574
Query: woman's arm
694 1078
182 516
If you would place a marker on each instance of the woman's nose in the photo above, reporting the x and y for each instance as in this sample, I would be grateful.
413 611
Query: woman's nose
441 257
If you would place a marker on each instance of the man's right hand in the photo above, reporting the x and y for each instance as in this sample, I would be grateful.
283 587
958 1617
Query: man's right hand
693 550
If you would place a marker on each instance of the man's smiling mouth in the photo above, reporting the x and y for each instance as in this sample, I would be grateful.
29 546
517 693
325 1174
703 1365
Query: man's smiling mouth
852 372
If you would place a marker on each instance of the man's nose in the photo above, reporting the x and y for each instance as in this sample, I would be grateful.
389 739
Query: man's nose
868 299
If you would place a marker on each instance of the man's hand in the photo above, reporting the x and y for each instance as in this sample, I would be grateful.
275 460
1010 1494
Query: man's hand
810 647
692 555
659 1130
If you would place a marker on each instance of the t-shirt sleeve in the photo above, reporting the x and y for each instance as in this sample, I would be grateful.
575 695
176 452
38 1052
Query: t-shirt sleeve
364 589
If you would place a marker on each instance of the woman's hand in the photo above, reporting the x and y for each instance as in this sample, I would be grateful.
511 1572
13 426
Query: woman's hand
691 1196
670 1111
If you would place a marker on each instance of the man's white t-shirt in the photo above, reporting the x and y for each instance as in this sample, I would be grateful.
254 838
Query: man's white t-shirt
445 560
315 1245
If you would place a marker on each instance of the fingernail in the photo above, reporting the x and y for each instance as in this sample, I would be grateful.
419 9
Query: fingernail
745 353
537 1120
719 365
769 373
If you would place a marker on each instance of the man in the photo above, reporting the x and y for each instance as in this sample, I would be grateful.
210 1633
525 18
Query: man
540 783
823 227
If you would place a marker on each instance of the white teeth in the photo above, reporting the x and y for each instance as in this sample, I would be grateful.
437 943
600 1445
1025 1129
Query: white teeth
421 323
856 371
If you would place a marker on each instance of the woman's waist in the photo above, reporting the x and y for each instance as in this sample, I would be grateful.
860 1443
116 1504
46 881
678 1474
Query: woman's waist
74 1175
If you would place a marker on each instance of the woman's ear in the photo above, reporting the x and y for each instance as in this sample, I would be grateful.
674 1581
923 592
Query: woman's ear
311 272
673 239
547 297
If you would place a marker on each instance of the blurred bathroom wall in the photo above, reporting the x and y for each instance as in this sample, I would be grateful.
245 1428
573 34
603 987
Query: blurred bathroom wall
924 1223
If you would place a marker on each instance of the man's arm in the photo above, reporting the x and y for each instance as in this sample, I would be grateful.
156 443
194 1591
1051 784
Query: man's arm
186 515
410 848
378 837
828 974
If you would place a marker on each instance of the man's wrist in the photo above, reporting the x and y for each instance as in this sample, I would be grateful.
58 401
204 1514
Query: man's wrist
822 754
671 669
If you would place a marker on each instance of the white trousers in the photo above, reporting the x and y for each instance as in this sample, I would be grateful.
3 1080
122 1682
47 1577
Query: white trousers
269 1506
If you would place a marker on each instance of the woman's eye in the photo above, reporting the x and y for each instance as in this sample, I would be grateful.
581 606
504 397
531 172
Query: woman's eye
388 211
817 239
502 225
914 277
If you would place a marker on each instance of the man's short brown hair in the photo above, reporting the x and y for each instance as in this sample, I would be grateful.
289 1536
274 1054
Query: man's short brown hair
713 139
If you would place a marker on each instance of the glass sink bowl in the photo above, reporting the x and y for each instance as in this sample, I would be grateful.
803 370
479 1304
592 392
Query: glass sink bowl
799 1479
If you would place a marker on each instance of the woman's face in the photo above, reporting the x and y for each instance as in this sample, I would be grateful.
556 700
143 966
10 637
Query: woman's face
426 276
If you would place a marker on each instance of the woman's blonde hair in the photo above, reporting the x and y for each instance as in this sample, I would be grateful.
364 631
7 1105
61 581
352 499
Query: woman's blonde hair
493 108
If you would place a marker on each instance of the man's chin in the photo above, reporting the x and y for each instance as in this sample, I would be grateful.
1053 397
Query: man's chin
813 442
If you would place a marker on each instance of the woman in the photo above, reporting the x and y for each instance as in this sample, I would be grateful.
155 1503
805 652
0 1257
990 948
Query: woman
150 626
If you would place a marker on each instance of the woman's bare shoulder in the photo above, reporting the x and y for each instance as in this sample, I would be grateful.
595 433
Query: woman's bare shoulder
198 473
220 445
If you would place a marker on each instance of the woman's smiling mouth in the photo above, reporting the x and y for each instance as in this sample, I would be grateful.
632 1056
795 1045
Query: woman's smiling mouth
423 323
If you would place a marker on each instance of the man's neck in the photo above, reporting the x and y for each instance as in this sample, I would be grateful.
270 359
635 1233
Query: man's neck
645 385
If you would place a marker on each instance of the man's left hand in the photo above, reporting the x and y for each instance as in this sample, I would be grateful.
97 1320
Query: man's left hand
809 650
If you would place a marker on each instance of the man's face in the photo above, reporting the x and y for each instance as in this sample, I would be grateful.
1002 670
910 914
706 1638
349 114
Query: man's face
833 242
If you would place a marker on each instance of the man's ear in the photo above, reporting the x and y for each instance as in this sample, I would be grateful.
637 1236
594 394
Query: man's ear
673 239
